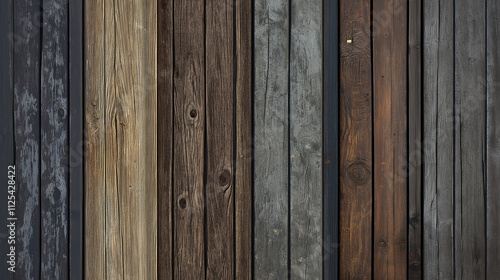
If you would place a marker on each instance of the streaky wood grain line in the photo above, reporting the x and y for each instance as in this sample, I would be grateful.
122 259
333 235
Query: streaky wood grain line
27 49
306 184
271 142
165 137
243 168
390 139
355 140
189 129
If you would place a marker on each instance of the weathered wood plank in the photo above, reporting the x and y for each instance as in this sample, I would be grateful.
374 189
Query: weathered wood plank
390 139
331 215
189 129
355 140
438 88
470 95
243 169
492 138
165 137
414 139
271 185
219 193
54 141
26 38
306 184
76 144
95 144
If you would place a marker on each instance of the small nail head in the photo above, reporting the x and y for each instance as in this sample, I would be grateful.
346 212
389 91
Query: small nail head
349 41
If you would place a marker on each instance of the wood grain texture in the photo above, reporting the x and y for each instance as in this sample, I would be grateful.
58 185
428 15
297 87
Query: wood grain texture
54 141
271 174
26 57
414 139
189 129
243 168
470 140
390 139
165 137
355 141
95 144
306 184
492 138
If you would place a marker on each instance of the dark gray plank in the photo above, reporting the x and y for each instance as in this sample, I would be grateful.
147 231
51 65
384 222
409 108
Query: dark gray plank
26 38
271 193
76 139
470 95
330 139
492 139
306 182
54 141
6 127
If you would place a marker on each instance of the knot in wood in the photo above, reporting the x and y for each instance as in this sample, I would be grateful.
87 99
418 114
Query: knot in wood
359 173
224 178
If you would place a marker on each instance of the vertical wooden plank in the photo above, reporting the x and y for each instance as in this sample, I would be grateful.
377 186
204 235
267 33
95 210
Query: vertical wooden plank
470 95
493 134
414 140
438 150
189 129
54 141
390 138
331 114
243 168
7 149
306 96
271 185
219 193
95 144
76 230
26 37
355 140
165 137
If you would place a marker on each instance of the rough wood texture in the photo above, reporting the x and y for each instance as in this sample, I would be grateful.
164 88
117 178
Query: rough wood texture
26 57
390 139
271 185
189 129
355 140
125 140
414 140
165 137
306 182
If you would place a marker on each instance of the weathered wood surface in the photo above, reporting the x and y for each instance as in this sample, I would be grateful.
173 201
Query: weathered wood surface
390 139
356 194
271 139
26 58
331 191
124 144
306 96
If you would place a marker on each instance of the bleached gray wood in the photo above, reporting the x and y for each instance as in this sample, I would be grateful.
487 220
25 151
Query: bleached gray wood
306 139
271 206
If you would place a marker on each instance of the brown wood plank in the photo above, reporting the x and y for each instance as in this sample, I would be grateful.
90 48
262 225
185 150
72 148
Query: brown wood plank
355 140
390 139
165 137
189 129
243 168
219 193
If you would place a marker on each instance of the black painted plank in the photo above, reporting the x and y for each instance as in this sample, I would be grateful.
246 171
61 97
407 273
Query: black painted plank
54 140
330 140
26 38
76 139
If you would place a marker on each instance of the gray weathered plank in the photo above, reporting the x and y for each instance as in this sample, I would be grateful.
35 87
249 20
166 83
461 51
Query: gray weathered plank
493 139
26 39
470 95
306 182
54 141
271 53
